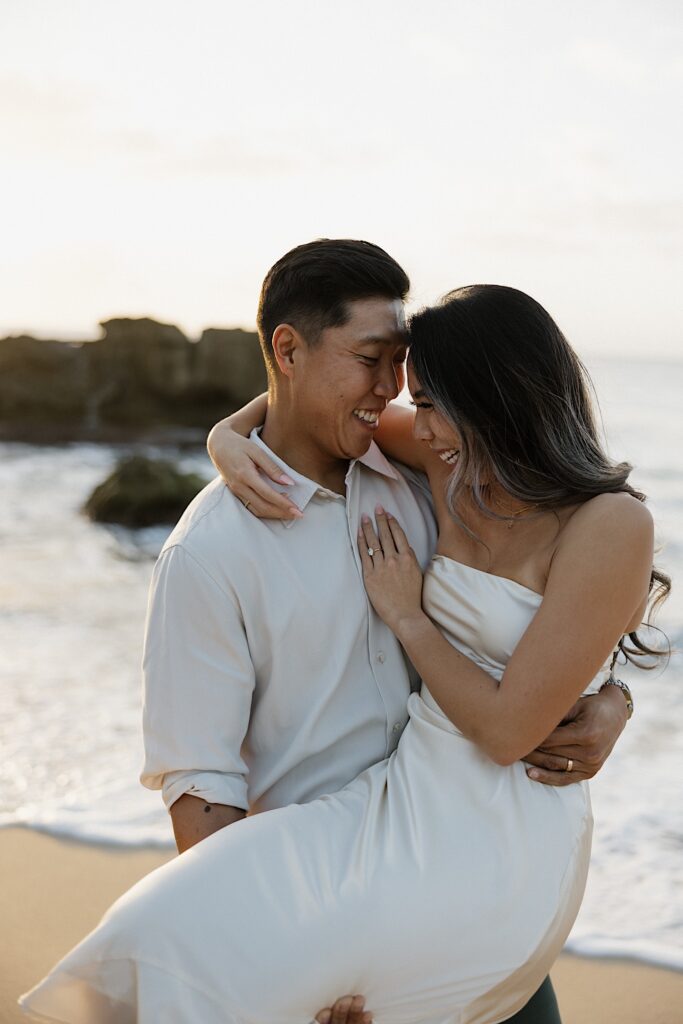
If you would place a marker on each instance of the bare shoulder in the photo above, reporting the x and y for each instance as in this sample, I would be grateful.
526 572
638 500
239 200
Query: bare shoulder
610 510
616 521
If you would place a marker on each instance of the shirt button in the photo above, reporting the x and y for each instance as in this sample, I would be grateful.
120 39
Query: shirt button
398 727
381 657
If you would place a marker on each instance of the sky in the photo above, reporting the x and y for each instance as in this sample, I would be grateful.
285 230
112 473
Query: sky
158 156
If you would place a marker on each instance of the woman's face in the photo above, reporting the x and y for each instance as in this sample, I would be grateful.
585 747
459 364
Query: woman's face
430 427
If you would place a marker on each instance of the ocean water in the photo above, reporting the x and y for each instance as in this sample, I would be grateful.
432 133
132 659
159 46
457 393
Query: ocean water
72 606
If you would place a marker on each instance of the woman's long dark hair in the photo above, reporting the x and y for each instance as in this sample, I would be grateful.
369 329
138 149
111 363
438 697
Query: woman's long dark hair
497 366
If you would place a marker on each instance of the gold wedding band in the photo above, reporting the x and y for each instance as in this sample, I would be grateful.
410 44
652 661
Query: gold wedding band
570 765
246 504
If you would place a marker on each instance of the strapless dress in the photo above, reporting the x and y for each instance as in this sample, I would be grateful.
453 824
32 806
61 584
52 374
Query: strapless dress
438 884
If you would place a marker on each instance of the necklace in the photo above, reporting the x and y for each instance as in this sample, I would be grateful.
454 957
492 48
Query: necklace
514 515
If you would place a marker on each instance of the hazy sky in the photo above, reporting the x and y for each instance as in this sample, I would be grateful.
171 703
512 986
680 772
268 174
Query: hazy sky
158 155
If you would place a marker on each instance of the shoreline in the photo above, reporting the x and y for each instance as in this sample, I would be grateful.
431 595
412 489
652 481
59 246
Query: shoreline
55 890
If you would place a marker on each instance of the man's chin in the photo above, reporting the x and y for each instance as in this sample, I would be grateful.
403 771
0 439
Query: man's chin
358 449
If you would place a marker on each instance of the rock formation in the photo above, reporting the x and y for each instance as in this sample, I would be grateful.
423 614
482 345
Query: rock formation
141 376
143 492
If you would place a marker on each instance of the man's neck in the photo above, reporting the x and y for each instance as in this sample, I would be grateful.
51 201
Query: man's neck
300 452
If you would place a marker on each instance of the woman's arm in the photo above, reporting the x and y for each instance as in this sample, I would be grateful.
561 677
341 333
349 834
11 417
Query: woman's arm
394 435
242 422
240 462
595 593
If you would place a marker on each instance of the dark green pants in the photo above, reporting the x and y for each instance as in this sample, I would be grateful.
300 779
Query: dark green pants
541 1008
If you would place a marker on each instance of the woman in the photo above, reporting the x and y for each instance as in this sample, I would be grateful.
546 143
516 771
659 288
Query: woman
442 882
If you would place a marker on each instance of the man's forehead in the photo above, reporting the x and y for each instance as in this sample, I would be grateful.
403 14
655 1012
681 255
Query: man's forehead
378 320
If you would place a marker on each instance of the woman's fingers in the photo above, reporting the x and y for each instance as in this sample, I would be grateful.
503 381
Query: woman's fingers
263 508
248 471
257 493
398 535
372 542
272 469
389 535
264 500
385 536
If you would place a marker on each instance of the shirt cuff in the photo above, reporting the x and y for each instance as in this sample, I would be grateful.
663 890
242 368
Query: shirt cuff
214 787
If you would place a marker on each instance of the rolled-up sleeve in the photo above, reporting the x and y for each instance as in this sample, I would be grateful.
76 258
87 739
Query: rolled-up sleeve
198 685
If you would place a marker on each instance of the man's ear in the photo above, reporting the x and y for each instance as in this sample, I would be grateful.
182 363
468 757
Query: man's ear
287 342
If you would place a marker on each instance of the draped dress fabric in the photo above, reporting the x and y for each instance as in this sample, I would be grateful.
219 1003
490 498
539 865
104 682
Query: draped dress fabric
439 884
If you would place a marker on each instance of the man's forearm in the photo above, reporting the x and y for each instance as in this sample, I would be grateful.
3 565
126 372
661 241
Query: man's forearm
194 819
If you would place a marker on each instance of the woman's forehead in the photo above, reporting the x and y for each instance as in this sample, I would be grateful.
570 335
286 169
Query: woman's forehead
413 382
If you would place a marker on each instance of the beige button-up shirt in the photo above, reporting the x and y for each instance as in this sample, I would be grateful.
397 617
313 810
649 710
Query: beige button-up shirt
268 677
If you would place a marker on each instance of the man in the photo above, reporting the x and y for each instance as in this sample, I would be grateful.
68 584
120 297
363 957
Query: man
269 679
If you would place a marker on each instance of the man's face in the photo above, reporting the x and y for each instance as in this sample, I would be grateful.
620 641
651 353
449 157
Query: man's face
342 385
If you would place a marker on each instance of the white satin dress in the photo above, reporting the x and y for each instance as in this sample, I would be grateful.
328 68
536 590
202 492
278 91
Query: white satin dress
438 884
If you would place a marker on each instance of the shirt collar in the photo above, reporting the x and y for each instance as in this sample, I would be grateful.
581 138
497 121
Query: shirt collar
304 488
375 460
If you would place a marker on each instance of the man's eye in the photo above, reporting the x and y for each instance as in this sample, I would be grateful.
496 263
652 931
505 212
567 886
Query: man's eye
368 360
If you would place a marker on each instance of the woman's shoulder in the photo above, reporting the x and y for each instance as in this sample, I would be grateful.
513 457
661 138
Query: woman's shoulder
616 519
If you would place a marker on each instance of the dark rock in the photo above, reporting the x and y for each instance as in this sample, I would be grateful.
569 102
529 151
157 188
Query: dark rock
42 380
142 378
143 492
230 362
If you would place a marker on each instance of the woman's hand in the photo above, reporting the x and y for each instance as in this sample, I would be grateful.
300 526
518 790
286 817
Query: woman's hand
392 575
241 462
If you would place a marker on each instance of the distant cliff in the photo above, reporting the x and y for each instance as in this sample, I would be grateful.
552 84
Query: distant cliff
142 378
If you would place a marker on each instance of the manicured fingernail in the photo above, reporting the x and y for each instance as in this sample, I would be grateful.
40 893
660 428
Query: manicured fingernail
296 513
365 519
379 510
287 480
532 773
324 1017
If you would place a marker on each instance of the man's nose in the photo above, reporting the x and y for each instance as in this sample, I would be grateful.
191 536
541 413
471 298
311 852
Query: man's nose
388 385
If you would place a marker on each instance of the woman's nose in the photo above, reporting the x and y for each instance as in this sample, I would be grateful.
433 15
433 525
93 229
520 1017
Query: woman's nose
421 429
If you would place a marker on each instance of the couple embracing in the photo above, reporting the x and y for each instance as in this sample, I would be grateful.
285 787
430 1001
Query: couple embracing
395 634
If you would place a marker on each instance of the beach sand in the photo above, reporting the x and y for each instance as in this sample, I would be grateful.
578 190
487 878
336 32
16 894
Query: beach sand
53 891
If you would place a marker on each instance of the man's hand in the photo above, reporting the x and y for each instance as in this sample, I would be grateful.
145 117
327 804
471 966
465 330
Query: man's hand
347 1010
585 736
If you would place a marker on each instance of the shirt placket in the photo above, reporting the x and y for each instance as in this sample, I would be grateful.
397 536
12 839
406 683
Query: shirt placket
382 645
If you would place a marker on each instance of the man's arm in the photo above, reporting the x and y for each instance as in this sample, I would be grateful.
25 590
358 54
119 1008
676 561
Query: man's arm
586 736
198 685
194 819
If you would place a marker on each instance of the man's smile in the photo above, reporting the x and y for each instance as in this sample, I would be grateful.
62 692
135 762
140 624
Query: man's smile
368 417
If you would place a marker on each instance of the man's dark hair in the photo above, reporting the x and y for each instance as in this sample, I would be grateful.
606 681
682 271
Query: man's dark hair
310 286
